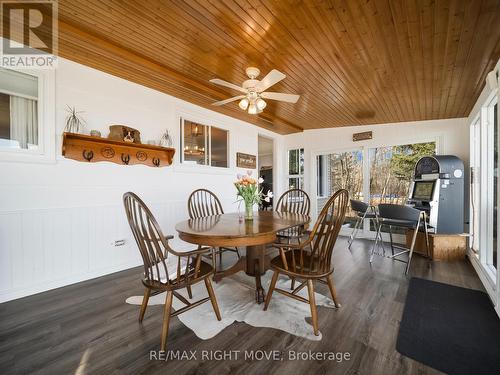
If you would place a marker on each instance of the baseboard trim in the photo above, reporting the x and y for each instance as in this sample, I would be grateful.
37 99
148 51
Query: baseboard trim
10 295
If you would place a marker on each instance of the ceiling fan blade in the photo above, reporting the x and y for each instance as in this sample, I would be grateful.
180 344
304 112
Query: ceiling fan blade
273 77
222 102
221 82
289 98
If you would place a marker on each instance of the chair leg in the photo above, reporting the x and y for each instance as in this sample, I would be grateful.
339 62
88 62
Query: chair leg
238 253
214 263
390 236
190 292
312 303
376 242
271 289
354 232
427 245
333 292
211 293
145 299
220 258
411 248
377 224
166 320
293 283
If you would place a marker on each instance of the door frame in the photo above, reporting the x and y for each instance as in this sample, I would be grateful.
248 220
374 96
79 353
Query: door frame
274 159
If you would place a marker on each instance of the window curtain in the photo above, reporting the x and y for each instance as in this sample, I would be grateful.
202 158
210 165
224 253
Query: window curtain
23 121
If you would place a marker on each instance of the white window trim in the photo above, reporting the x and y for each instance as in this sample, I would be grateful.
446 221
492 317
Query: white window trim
475 169
486 257
299 175
45 153
479 259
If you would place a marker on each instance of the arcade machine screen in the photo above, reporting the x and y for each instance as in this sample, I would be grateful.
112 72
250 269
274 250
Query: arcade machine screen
423 190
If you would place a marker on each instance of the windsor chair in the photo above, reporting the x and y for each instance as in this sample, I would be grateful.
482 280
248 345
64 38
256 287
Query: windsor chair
295 201
310 261
203 203
166 270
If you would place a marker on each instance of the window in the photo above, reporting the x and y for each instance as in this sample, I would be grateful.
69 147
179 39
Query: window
342 170
495 185
204 145
493 116
484 187
475 185
296 168
18 110
391 171
218 147
374 175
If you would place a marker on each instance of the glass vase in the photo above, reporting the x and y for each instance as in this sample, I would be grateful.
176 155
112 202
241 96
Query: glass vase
248 211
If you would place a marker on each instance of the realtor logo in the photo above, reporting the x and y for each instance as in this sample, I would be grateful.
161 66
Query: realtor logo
29 34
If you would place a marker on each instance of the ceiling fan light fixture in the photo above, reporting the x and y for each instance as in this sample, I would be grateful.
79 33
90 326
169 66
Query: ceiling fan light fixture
243 104
261 104
252 109
255 91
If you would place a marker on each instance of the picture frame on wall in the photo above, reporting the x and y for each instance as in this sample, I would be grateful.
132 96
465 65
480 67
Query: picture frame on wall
246 160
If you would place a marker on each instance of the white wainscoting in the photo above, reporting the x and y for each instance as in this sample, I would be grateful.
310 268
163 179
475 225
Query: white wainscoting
44 249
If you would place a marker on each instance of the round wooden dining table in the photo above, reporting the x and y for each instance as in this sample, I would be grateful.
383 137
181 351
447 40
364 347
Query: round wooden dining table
231 230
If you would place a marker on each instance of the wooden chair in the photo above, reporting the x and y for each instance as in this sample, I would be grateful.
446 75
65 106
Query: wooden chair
166 270
310 260
203 203
296 201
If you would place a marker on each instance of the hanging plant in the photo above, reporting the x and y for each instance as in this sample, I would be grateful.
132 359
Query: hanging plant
74 122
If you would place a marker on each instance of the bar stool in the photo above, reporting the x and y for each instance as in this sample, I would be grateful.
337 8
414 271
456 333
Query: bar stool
363 211
395 215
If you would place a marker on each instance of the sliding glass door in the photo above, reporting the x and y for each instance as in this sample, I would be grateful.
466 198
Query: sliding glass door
493 260
484 136
373 175
340 170
391 172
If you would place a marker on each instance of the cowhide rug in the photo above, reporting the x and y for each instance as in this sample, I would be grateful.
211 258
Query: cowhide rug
236 298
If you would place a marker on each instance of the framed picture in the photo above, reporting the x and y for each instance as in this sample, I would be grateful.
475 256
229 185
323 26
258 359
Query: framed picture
246 160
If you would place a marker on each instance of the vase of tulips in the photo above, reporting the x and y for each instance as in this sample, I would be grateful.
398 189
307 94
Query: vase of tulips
249 192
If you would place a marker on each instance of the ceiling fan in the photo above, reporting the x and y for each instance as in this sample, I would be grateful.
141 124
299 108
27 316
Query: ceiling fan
255 91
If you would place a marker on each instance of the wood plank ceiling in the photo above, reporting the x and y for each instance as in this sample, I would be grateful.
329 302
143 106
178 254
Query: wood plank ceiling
353 62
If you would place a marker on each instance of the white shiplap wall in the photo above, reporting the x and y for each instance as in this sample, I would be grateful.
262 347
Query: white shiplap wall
58 220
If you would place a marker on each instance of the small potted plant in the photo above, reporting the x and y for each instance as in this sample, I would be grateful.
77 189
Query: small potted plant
74 122
248 191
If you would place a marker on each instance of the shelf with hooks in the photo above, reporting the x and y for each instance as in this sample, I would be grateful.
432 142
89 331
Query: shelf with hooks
94 149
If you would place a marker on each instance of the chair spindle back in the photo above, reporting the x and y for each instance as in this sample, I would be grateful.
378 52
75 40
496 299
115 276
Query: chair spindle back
324 235
294 200
202 203
154 247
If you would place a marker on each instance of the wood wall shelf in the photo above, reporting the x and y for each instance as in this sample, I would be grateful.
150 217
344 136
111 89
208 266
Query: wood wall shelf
93 149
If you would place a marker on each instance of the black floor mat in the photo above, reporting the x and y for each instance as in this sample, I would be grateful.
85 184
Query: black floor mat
452 329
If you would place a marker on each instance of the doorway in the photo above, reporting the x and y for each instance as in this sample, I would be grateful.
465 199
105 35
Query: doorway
265 168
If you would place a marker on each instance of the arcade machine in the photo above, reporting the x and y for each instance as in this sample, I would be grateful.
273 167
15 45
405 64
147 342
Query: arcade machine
438 189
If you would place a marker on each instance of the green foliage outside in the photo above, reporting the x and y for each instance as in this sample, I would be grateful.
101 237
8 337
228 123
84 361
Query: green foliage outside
405 157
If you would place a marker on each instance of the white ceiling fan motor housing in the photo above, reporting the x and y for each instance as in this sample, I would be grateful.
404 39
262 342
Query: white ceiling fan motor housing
252 72
250 84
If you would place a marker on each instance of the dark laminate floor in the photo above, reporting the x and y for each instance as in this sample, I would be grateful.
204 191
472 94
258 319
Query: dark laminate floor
89 328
